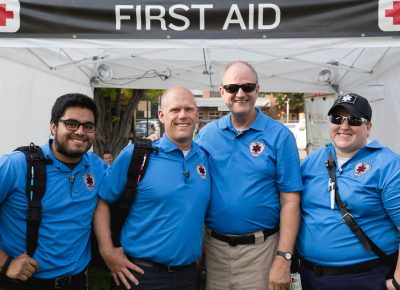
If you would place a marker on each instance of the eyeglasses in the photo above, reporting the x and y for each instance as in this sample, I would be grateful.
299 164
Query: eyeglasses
73 125
234 88
353 121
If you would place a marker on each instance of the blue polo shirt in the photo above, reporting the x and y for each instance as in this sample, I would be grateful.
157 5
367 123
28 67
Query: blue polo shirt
249 169
369 184
165 223
67 210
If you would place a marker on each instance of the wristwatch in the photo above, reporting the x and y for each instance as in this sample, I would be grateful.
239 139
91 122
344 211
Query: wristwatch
286 255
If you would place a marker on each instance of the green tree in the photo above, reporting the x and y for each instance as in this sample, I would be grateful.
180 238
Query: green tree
152 95
296 100
116 108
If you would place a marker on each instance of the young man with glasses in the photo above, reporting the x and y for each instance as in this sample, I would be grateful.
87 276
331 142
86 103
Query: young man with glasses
73 178
351 181
253 217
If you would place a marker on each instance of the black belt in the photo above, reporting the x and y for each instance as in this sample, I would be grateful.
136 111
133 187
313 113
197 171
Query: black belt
234 240
159 266
55 283
363 267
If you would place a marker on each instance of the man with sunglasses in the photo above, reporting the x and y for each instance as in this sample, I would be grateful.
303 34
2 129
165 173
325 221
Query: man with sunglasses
73 178
253 216
348 237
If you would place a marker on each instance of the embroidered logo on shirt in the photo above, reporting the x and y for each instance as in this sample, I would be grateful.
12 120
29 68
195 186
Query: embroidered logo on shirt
201 170
88 179
256 148
360 168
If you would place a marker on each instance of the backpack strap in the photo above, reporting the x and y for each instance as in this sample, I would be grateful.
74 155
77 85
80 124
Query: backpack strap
136 171
35 189
347 216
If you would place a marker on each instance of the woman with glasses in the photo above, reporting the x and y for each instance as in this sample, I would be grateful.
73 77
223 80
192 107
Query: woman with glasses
349 236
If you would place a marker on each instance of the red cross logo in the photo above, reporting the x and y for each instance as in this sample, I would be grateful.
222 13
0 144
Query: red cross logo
201 170
5 14
89 181
256 148
389 15
361 167
394 12
9 16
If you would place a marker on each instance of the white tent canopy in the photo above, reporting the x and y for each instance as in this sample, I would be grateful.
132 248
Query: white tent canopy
283 65
36 71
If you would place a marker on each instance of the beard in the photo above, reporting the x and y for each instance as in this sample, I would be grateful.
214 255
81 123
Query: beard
63 148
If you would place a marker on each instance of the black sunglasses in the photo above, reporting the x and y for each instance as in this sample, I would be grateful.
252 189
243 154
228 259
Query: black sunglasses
353 121
234 88
73 125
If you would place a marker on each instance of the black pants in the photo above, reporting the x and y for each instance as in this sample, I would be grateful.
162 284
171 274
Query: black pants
76 282
160 279
374 279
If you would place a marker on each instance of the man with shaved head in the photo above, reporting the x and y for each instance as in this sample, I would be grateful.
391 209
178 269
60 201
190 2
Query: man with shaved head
162 236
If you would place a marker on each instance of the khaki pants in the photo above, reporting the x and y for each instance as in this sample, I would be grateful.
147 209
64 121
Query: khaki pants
240 267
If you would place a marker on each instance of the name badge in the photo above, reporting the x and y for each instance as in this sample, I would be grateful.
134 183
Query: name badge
295 281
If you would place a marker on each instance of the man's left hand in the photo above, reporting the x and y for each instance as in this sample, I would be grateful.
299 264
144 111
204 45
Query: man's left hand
279 274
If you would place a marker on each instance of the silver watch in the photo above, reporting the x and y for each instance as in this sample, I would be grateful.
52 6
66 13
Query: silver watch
286 255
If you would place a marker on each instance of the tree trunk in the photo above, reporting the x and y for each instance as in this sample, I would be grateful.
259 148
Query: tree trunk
113 130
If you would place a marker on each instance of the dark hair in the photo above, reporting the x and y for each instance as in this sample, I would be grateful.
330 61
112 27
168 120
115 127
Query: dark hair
72 100
106 152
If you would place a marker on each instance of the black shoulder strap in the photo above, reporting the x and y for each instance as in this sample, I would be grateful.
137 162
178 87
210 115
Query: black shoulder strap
136 171
35 189
346 215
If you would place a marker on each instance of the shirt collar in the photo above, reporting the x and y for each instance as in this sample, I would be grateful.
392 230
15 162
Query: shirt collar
46 148
167 145
258 124
374 145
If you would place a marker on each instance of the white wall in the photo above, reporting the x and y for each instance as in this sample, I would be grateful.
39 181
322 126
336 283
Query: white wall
384 97
316 110
26 99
